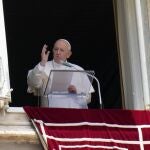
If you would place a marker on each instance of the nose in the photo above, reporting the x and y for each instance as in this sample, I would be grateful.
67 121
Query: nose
58 51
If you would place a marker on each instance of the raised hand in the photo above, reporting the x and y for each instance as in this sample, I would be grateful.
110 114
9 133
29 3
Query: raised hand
44 55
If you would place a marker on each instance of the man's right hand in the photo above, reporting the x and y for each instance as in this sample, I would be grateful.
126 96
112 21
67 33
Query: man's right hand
44 55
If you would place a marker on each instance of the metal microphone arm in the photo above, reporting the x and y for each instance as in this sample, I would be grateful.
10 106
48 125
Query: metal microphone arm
98 85
94 77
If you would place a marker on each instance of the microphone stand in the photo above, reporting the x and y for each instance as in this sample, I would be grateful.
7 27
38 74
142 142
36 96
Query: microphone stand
98 85
94 77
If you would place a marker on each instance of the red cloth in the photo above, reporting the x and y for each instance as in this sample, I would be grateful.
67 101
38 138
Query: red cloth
80 129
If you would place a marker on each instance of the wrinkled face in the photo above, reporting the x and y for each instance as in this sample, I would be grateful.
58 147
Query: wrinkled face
61 51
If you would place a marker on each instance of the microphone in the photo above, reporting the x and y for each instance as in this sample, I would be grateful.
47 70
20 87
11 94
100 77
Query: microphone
90 75
66 63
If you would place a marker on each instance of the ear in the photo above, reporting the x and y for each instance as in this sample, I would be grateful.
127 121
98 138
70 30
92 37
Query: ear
69 54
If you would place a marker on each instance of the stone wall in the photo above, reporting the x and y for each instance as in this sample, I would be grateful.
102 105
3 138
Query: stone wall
17 132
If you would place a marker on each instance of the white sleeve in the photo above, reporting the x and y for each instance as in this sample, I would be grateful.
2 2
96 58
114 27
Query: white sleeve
36 78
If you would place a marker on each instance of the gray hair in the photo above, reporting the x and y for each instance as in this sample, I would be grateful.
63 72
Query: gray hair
67 43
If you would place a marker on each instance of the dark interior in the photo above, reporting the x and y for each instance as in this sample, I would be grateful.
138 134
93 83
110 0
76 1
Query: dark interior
88 25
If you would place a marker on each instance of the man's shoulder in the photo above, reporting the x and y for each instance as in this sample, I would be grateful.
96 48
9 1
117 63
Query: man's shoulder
77 66
50 62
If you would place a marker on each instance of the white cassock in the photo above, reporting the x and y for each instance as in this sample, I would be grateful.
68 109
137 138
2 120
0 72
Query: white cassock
59 96
56 94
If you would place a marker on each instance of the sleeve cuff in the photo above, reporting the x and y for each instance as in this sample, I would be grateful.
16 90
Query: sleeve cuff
40 67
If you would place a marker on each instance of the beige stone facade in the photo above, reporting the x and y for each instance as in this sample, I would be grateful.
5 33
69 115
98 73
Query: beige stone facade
17 132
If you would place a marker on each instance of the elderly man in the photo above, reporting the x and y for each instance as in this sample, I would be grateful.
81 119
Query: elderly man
37 78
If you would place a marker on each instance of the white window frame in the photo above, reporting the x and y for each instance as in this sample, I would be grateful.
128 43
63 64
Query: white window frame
132 24
4 69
